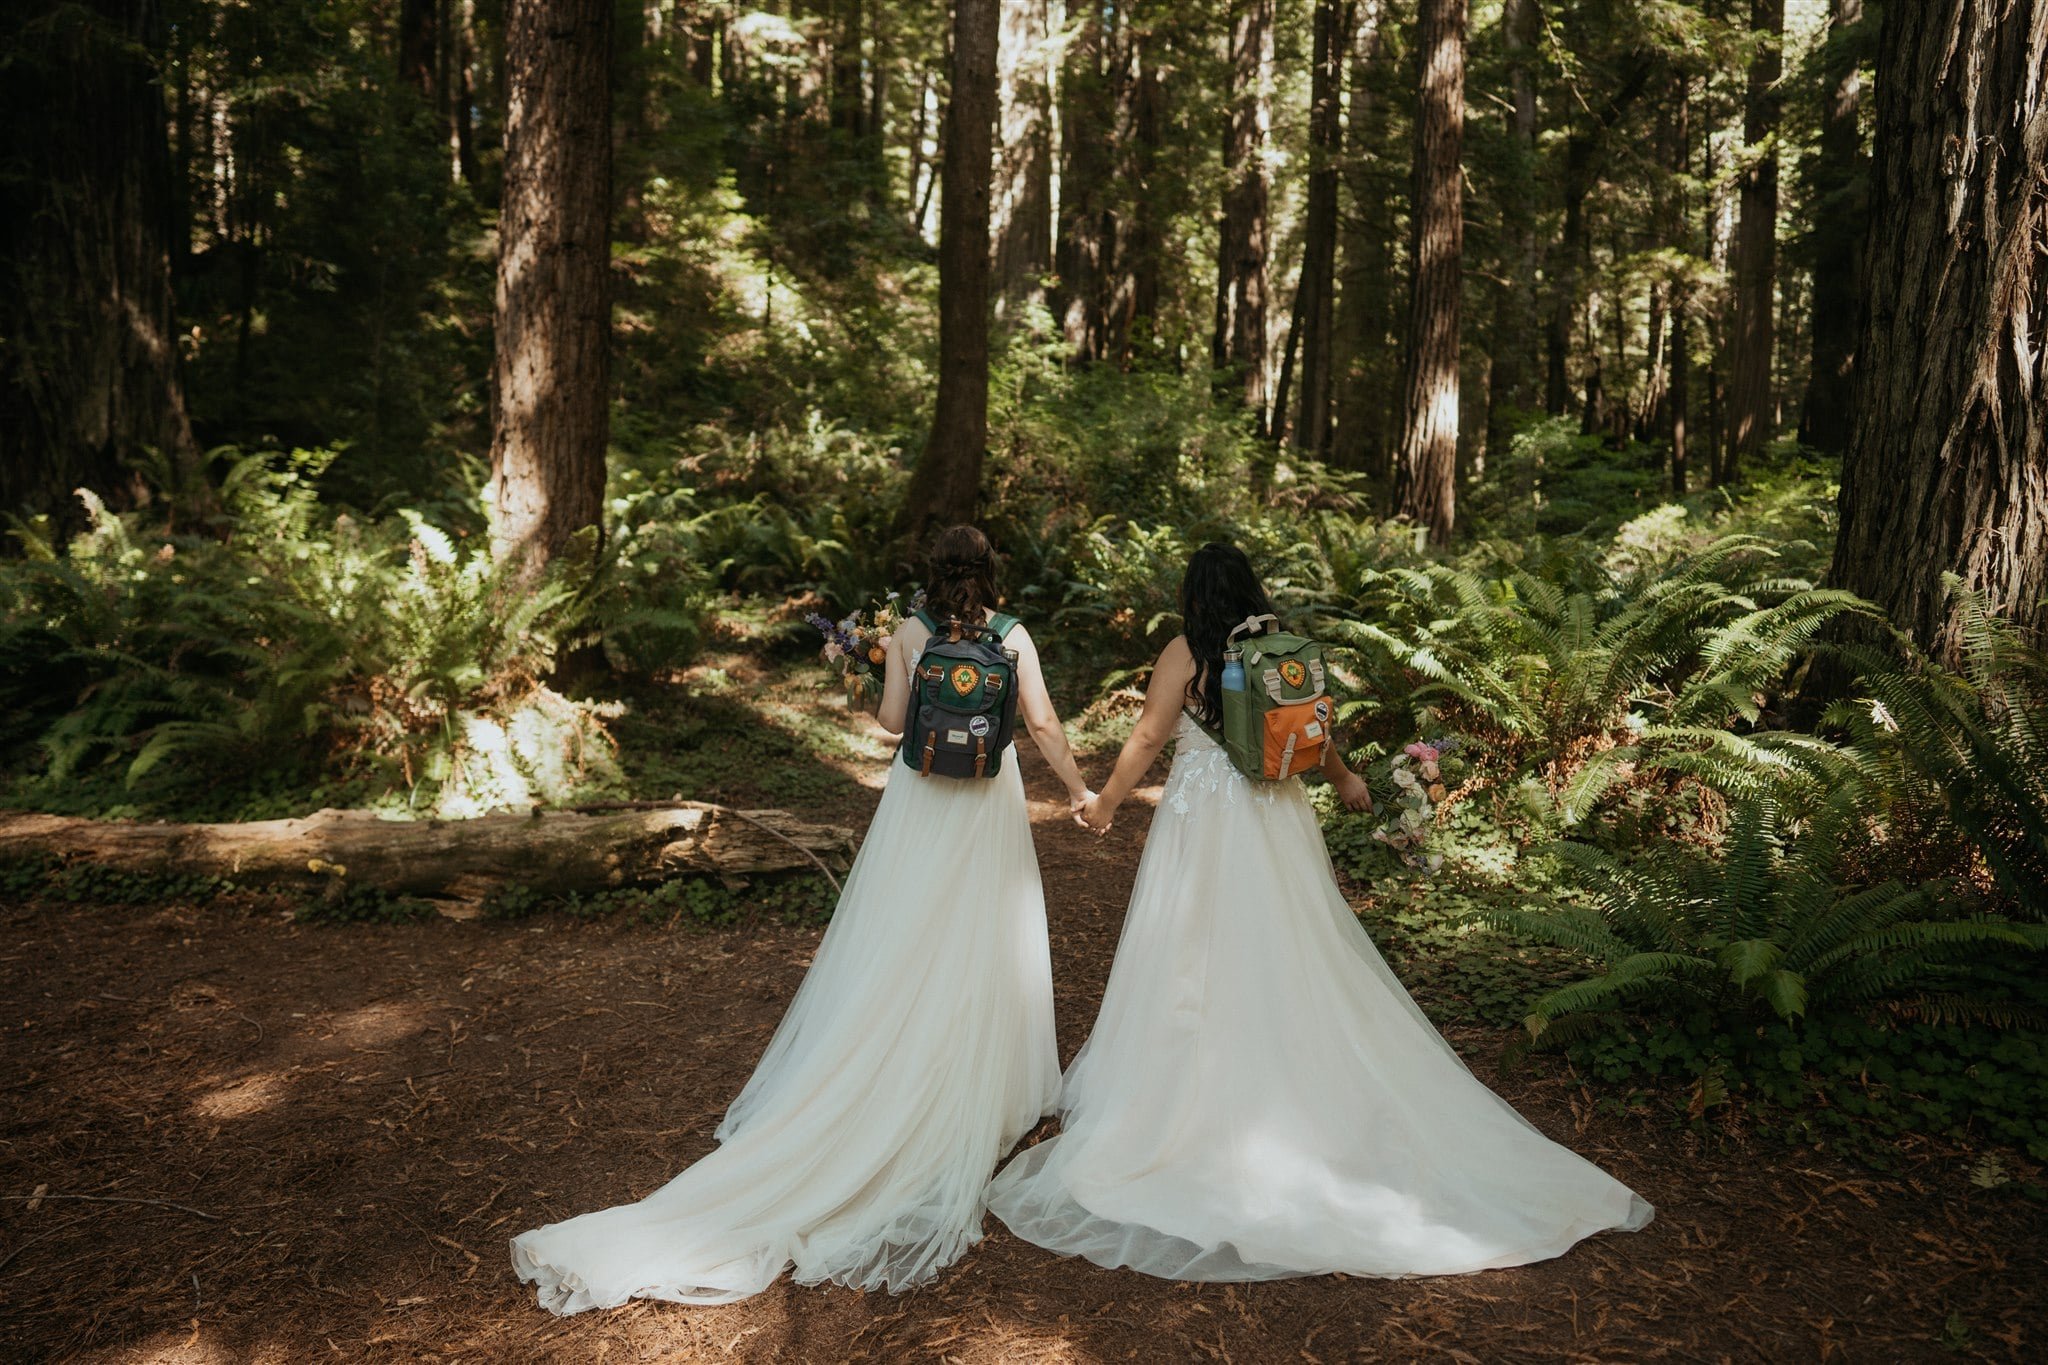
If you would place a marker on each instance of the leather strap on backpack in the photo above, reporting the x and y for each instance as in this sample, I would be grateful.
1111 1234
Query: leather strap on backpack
931 744
980 755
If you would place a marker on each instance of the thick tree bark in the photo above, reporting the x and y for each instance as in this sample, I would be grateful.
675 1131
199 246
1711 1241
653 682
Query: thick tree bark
1426 471
1238 349
1839 220
551 377
89 383
1315 306
1021 211
946 485
1752 411
549 853
1364 380
1947 466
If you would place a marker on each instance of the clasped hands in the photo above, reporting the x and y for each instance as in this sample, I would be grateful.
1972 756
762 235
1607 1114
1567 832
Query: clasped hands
1090 812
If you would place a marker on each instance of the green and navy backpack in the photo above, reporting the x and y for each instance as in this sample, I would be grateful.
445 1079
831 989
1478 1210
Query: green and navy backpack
963 699
1277 724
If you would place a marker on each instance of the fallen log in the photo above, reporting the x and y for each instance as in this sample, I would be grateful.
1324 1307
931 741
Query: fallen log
552 852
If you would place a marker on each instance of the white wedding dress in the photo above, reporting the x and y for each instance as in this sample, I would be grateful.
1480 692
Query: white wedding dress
1260 1097
918 1049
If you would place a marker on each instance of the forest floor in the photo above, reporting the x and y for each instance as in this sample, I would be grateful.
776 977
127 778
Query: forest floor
262 1140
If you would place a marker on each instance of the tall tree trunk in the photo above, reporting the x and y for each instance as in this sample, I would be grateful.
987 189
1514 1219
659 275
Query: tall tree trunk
1083 252
1514 330
1679 396
89 382
1751 408
1426 472
1947 466
462 89
1584 150
1839 220
947 482
1145 254
1021 211
1365 295
1316 306
848 103
417 40
551 376
1239 347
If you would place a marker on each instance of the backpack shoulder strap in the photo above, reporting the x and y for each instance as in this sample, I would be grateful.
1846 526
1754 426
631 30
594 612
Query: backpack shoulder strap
930 622
1002 623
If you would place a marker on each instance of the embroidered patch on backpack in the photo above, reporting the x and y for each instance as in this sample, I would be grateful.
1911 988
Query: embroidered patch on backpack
1293 672
966 678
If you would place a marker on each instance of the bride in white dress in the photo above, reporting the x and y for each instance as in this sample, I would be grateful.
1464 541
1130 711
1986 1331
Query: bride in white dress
917 1051
1260 1098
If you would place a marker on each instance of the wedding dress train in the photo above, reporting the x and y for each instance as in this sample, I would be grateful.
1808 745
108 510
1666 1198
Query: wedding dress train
1261 1098
918 1049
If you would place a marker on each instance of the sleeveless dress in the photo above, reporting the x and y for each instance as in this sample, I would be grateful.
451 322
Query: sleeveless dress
917 1051
1261 1098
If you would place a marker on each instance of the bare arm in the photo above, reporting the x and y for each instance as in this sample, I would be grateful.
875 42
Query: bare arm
1164 698
908 639
1034 704
1351 788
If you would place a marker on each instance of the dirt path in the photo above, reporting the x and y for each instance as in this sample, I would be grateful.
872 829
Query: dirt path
352 1122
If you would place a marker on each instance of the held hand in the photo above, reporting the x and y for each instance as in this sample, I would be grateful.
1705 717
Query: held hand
1351 789
1077 802
1097 815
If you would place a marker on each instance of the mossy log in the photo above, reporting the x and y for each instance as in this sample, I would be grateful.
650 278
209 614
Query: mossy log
552 852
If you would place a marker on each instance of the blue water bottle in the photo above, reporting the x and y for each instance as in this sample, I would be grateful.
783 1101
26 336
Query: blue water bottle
1233 670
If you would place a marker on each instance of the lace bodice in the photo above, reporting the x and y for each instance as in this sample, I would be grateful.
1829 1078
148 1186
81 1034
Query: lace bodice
1202 769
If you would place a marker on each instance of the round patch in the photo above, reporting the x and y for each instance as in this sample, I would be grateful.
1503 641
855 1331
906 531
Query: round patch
1293 672
1323 709
966 678
979 727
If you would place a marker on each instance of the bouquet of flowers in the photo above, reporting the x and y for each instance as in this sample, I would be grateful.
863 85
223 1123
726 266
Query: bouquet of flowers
1418 773
859 648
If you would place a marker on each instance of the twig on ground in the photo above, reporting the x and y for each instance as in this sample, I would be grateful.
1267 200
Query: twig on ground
112 1199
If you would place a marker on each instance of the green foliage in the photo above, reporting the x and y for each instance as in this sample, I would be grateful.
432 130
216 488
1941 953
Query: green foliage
89 883
303 641
1764 929
1980 737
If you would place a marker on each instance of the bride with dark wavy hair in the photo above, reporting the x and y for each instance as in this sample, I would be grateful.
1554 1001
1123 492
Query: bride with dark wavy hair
917 1051
1260 1097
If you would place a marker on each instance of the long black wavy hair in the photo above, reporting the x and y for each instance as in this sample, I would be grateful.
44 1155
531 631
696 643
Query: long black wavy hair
960 575
1217 592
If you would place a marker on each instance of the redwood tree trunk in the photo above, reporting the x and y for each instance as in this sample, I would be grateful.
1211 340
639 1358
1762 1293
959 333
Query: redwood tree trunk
1508 380
1086 243
1239 346
1316 307
1751 411
1947 466
88 353
1838 231
1364 378
947 482
552 371
1425 473
1021 211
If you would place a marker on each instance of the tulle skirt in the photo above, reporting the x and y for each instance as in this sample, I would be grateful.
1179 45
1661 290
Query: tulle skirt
918 1049
1261 1098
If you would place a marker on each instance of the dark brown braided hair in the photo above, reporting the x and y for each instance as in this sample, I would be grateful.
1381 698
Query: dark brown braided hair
961 575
